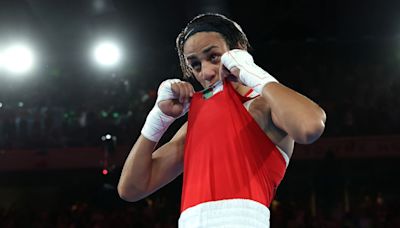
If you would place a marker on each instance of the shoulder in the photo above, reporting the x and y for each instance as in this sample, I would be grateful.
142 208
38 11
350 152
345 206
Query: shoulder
260 110
258 107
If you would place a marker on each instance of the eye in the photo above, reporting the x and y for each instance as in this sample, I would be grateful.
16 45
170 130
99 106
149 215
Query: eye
195 65
214 58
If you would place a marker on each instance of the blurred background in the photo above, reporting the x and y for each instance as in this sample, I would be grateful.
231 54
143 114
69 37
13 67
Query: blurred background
77 79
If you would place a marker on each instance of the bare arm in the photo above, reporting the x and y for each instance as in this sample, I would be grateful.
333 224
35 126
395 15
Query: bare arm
146 171
302 119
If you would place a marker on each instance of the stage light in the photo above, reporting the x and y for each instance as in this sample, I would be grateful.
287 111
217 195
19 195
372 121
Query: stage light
107 137
105 172
17 59
1 60
1 105
107 53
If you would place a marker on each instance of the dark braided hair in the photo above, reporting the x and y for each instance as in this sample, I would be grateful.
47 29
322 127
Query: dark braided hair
210 22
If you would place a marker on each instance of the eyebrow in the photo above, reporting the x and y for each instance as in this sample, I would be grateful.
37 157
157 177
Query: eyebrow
205 51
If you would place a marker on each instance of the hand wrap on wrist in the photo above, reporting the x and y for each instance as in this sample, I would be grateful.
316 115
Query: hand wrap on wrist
250 74
158 122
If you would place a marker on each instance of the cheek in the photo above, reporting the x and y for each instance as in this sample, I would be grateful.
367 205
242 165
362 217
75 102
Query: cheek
199 80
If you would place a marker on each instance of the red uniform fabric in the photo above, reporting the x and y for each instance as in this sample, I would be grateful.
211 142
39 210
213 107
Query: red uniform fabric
227 155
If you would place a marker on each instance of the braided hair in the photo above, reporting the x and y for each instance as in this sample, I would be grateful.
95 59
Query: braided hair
210 22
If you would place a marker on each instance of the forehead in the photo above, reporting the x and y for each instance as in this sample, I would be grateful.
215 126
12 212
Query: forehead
197 42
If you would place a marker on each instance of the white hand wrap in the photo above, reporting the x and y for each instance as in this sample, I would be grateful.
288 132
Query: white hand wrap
250 74
157 122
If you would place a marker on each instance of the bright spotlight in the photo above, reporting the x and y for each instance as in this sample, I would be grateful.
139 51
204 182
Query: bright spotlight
17 58
1 60
107 54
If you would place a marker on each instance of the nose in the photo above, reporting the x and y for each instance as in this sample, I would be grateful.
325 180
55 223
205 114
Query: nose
208 71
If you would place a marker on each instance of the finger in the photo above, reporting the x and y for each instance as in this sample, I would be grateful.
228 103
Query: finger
191 88
188 92
175 88
182 93
225 73
178 91
235 71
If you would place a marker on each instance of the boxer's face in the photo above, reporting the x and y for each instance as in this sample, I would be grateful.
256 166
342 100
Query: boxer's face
203 52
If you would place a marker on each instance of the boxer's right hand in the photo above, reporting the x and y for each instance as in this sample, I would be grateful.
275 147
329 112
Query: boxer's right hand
173 97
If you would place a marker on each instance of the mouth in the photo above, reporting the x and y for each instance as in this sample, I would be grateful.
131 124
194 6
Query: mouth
211 82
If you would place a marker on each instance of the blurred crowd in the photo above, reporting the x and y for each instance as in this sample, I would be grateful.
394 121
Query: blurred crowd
357 84
359 99
160 212
83 214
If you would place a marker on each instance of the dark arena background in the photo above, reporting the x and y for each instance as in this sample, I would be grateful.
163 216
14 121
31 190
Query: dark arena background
70 110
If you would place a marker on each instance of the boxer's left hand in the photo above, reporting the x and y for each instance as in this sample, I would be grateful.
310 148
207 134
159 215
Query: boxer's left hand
240 64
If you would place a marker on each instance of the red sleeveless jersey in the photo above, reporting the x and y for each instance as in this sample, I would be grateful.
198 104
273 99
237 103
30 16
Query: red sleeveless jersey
227 155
